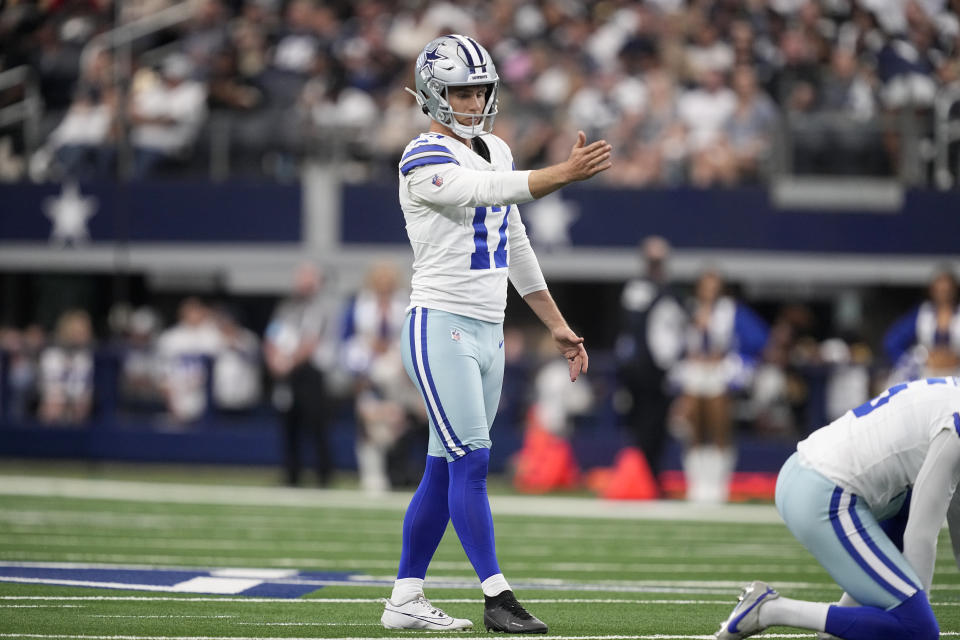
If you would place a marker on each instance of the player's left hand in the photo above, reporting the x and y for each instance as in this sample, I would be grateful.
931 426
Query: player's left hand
571 346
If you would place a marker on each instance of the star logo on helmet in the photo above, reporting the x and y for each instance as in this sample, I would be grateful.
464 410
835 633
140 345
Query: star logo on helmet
432 57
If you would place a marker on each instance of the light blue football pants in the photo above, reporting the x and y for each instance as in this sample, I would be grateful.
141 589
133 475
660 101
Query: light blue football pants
844 535
457 363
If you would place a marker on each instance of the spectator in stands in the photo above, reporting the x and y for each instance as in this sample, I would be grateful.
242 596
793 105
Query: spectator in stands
660 138
83 143
236 367
166 115
748 133
723 342
297 353
228 88
708 52
205 34
66 372
844 125
186 351
907 67
651 340
926 341
704 111
294 57
385 398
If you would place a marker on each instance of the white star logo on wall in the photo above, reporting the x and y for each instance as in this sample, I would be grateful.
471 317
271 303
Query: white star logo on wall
550 219
69 213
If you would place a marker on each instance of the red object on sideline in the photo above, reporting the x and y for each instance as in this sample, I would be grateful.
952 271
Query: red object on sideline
545 462
631 478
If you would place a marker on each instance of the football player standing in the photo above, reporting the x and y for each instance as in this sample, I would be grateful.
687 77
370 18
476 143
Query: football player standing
867 496
459 192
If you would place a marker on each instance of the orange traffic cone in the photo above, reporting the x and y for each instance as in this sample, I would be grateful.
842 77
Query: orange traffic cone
631 478
546 461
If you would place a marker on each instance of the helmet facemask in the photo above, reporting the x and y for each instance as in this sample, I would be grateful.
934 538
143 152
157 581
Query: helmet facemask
476 124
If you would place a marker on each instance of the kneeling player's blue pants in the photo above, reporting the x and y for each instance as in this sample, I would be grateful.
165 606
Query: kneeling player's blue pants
450 491
843 534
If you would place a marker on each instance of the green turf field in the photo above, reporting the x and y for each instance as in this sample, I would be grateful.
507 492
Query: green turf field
590 569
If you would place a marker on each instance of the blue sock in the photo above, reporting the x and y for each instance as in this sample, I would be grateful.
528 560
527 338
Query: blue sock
470 511
912 620
425 521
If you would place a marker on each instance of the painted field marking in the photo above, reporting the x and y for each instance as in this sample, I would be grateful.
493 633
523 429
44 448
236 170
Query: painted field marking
547 637
41 606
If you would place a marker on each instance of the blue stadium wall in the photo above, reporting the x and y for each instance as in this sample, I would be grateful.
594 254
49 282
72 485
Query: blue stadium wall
174 213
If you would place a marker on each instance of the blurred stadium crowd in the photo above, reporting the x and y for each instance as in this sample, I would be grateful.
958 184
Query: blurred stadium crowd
712 92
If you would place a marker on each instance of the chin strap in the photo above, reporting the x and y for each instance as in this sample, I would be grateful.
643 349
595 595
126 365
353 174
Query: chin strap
419 99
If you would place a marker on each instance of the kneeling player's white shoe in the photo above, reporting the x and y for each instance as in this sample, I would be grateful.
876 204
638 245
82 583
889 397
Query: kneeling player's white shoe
744 621
420 614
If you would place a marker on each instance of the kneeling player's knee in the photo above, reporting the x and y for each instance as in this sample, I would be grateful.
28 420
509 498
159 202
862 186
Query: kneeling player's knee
928 629
916 616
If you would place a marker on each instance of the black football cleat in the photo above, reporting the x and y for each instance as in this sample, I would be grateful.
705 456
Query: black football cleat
503 613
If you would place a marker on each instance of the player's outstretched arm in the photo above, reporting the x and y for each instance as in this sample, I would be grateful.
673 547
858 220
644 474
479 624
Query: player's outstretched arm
568 343
585 161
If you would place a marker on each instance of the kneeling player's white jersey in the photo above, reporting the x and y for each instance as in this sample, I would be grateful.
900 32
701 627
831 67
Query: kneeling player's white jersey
877 449
464 226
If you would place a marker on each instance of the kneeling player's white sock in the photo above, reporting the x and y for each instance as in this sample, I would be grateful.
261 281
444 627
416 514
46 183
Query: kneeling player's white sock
494 585
846 600
794 613
406 589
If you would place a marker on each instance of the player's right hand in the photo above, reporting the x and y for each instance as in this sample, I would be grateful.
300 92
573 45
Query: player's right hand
586 160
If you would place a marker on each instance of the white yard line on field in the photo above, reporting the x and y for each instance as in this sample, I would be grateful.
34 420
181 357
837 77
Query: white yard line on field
407 637
88 489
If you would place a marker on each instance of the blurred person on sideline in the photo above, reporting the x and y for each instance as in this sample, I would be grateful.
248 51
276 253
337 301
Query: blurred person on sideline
458 191
724 339
22 351
385 397
867 495
236 367
66 372
166 113
186 351
651 341
926 341
140 367
297 354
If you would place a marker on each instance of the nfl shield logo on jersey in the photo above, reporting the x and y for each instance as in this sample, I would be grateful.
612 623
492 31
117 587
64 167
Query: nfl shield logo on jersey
455 335
437 180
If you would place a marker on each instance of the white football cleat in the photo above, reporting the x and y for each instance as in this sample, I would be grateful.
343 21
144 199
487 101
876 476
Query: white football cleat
744 620
420 614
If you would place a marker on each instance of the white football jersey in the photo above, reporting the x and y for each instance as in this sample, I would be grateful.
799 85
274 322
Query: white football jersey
464 226
876 450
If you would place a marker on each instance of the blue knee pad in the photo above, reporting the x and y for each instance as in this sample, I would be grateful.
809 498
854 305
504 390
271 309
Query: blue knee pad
911 620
